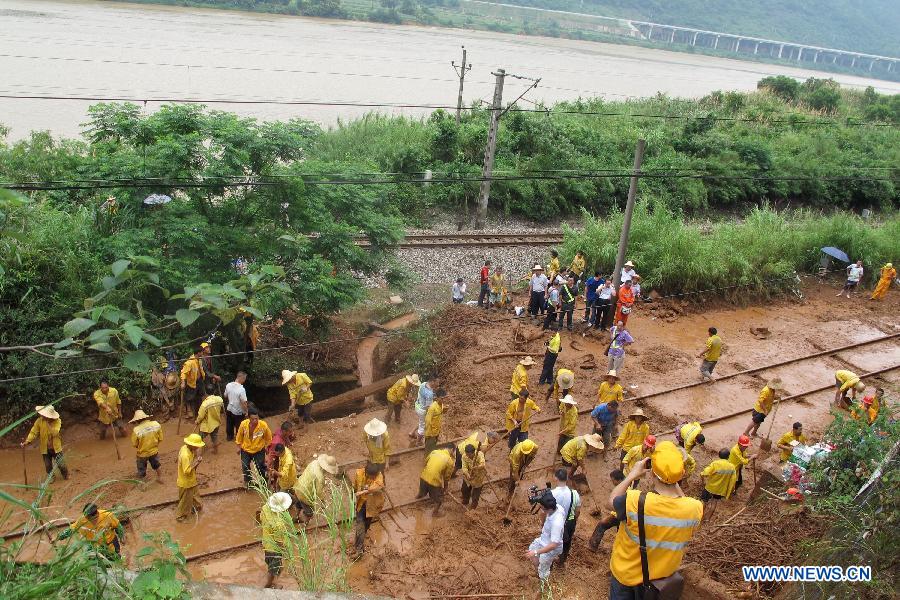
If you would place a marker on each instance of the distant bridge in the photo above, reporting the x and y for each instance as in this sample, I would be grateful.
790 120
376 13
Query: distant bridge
717 40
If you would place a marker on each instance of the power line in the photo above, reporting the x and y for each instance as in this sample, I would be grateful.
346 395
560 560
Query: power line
848 122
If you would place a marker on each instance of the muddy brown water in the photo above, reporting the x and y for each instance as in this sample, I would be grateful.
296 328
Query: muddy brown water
404 544
88 48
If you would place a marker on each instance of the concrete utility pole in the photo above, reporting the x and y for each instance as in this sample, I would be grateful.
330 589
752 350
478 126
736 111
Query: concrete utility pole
629 210
463 67
488 169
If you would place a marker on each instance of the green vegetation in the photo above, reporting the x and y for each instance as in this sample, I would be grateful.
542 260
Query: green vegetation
758 255
865 519
92 277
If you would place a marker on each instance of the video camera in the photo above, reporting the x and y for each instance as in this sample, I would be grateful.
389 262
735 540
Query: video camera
536 496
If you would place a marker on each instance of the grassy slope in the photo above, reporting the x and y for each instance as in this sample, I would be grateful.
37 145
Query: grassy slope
869 26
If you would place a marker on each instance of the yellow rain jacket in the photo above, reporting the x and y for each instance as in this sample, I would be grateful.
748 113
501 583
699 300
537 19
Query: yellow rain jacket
574 451
568 419
765 400
258 441
786 439
720 477
438 468
187 475
669 522
557 393
378 452
737 457
634 455
374 500
632 435
689 433
311 486
519 380
111 401
300 397
434 418
287 470
847 379
521 414
209 415
608 393
274 530
474 470
397 393
46 432
518 460
103 531
146 438
192 370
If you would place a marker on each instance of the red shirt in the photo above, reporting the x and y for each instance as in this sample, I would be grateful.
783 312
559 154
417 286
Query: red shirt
277 438
485 274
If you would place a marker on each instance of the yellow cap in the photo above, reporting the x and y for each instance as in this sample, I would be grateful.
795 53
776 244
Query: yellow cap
667 462
527 446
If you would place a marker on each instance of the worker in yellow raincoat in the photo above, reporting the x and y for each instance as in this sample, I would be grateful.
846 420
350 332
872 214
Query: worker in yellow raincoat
110 408
636 429
404 390
787 441
568 421
378 444
575 451
518 417
436 475
888 274
100 527
146 436
720 478
368 485
209 418
299 387
520 377
520 457
46 430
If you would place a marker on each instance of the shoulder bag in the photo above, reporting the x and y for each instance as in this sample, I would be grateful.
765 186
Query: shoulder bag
667 588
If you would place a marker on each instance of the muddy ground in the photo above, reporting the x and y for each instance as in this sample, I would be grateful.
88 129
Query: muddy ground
411 554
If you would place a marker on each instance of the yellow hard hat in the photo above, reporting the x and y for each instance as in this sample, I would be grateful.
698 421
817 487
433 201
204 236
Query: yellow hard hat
527 446
194 440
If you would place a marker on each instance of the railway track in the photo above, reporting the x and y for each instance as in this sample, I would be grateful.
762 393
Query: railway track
474 240
539 423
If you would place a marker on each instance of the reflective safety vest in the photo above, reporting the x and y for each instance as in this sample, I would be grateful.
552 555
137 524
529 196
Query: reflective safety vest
669 523
566 294
688 433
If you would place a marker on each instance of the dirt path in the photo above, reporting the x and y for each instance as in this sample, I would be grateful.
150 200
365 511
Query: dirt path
423 555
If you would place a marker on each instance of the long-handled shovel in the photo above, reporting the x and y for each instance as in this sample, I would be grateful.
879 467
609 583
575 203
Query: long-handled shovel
24 468
766 443
112 428
506 520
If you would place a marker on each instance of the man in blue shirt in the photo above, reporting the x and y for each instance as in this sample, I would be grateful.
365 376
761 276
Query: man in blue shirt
604 416
590 297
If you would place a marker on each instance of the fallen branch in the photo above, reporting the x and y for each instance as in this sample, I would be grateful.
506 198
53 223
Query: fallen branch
478 361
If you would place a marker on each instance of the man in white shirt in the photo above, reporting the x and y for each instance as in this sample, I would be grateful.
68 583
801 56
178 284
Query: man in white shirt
235 404
854 276
605 306
569 502
628 272
538 286
544 549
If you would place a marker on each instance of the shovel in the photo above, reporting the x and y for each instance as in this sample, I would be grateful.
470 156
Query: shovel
766 443
506 520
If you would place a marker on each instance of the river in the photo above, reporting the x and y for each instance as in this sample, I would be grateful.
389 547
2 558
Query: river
104 49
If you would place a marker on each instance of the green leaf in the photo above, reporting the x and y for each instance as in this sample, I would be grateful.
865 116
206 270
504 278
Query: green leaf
137 361
186 316
233 292
153 278
119 266
63 344
110 282
134 333
152 339
78 326
66 353
145 551
101 347
253 311
113 315
170 588
100 335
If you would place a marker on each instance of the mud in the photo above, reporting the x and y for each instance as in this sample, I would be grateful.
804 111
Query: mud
408 551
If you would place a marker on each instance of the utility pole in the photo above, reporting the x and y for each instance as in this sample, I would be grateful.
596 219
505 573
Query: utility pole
488 169
629 209
461 72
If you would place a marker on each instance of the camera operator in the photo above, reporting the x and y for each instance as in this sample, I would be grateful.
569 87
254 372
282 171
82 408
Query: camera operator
569 502
544 549
670 520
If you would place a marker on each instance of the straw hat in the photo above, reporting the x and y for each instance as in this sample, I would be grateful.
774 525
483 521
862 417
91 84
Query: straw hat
287 376
594 440
637 413
194 440
139 415
537 268
414 379
47 411
629 264
279 502
612 373
775 384
528 446
569 400
328 462
565 380
375 428
527 361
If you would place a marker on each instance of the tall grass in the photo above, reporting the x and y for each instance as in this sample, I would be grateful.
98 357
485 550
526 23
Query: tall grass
320 563
760 254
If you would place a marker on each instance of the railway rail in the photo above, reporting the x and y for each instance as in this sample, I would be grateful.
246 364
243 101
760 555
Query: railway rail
535 423
477 240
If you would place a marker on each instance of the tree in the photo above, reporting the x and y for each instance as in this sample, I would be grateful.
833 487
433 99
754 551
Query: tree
786 88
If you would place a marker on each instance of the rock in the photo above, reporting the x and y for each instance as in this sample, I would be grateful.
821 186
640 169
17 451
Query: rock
396 300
